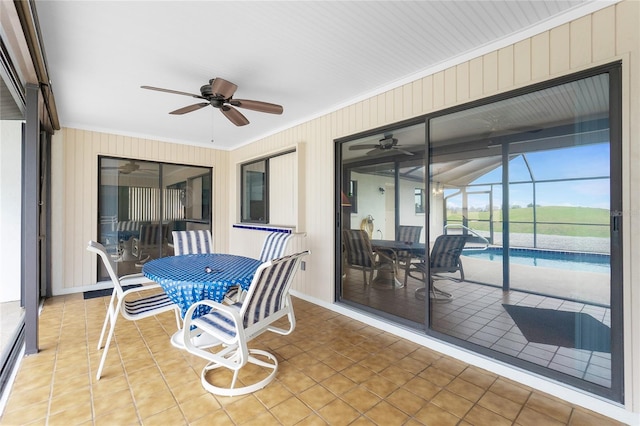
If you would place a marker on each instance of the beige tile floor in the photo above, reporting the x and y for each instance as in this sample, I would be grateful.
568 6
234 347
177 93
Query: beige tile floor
333 370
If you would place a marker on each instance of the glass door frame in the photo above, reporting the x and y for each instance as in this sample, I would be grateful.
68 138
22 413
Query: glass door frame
616 391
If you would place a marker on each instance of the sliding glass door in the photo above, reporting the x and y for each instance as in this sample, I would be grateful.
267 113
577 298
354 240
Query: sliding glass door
518 204
530 182
140 203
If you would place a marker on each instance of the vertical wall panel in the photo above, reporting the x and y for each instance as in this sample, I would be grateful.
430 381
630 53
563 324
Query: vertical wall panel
450 86
438 99
522 62
407 100
475 78
490 72
540 56
580 37
462 82
559 49
416 97
427 94
627 28
505 67
604 44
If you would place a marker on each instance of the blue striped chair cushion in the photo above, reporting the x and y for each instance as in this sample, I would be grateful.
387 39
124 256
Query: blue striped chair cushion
445 255
128 225
270 291
146 304
358 248
192 242
217 324
149 234
274 245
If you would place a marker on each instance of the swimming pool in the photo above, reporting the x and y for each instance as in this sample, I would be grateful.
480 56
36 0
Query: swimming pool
575 261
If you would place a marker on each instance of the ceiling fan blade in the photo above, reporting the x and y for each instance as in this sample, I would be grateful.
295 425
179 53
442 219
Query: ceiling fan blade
175 92
403 151
222 87
189 108
257 106
234 115
376 151
366 146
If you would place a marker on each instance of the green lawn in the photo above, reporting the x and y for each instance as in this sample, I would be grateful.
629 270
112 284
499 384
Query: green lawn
552 220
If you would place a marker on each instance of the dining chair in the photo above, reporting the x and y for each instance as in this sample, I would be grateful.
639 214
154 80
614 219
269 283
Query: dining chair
152 236
131 308
407 234
273 247
234 326
360 255
444 259
192 242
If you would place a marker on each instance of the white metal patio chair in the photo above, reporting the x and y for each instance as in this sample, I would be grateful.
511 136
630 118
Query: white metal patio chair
192 242
132 308
233 326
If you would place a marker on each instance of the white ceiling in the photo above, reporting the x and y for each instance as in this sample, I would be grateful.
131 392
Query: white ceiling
311 57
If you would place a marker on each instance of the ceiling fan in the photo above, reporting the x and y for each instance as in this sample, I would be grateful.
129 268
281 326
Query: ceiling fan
219 94
127 168
385 145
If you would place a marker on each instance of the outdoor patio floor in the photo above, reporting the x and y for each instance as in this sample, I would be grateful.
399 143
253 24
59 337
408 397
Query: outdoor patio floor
333 370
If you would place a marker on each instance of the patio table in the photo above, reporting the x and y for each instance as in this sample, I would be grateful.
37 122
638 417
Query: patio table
190 278
193 277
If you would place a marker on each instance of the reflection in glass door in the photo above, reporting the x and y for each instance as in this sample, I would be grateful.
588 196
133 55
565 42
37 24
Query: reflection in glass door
528 181
140 203
383 222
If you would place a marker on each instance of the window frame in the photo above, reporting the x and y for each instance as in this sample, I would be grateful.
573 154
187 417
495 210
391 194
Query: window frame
265 190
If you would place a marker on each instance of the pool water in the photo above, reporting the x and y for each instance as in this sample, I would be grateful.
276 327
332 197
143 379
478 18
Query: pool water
575 261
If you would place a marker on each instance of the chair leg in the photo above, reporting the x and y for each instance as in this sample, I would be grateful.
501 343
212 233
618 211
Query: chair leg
107 319
178 319
112 316
107 344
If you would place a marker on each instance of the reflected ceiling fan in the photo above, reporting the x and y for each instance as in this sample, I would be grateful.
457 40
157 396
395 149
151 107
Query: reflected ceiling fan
127 168
388 144
219 94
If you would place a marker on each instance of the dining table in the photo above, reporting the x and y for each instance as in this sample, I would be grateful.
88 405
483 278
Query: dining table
124 239
190 278
386 276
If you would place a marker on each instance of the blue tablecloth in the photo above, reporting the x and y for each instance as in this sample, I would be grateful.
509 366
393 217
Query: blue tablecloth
185 278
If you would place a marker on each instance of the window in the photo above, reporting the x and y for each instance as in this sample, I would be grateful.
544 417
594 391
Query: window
419 194
254 192
268 190
140 203
352 196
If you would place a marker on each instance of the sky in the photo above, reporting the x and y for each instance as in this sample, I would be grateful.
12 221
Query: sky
588 161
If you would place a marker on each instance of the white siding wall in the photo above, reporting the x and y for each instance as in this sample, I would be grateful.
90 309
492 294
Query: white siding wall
607 35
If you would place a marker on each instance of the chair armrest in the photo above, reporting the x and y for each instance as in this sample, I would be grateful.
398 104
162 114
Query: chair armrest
238 339
229 311
147 287
135 279
390 255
